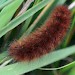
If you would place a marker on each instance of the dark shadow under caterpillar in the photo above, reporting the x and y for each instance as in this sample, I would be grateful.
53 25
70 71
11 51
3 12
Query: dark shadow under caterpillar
44 39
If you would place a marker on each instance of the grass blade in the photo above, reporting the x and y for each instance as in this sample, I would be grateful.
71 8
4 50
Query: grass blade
15 22
7 13
6 3
24 67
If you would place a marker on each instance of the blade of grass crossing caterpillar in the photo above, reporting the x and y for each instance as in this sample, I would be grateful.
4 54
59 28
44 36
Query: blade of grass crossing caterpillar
7 13
24 67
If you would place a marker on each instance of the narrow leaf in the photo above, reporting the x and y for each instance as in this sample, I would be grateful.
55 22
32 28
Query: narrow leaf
24 67
7 12
15 22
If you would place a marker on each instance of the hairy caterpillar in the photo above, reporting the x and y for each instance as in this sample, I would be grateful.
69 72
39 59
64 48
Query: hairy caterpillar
44 39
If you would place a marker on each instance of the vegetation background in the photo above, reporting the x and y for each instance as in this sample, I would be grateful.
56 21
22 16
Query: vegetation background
18 18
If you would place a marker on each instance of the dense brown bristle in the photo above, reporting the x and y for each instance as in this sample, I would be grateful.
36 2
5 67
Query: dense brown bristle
44 39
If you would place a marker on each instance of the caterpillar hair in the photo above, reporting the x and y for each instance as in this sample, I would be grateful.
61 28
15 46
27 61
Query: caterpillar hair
44 39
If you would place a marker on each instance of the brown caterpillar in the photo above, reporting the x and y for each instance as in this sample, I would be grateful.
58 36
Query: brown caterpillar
44 39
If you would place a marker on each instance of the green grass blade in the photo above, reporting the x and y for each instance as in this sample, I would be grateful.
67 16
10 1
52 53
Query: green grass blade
69 34
7 13
68 67
24 67
3 55
61 2
6 3
15 22
2 1
72 72
60 68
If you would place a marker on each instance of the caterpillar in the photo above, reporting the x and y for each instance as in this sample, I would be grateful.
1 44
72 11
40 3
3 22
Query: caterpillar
44 39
